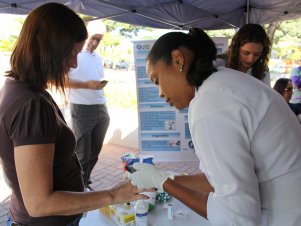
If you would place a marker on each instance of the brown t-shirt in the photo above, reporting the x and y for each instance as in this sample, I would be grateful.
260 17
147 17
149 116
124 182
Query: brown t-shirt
29 117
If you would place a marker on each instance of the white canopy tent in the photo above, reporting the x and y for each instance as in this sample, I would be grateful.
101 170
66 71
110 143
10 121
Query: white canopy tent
174 14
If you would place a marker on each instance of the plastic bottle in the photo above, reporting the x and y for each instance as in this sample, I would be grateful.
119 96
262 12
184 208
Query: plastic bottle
151 201
141 212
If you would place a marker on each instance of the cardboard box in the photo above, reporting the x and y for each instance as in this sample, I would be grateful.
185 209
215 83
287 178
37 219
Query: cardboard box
121 214
106 211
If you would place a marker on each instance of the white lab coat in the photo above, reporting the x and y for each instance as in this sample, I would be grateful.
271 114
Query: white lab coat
248 142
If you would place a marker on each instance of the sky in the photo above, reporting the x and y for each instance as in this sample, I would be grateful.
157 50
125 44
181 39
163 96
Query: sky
9 25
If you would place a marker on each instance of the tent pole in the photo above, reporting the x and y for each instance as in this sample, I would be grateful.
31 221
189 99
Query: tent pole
248 12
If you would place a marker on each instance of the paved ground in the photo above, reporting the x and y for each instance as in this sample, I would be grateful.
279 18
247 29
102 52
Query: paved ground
108 171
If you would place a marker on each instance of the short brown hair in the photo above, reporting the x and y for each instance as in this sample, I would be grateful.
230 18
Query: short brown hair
46 41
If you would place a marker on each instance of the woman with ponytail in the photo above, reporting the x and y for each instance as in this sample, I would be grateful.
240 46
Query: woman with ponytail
245 136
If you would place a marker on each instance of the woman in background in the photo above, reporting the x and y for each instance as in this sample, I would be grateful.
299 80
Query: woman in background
248 52
36 145
284 86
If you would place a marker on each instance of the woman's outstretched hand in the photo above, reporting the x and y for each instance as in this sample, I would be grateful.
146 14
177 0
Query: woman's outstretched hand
126 192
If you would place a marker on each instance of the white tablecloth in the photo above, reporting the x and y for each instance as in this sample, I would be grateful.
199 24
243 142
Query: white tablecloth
183 216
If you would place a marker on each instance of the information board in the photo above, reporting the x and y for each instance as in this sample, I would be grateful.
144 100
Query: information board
163 130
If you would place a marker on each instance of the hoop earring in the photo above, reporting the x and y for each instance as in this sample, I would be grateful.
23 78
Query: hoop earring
181 68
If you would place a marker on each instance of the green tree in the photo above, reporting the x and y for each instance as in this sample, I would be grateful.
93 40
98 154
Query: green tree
118 34
286 37
6 45
126 30
288 31
222 33
271 29
10 31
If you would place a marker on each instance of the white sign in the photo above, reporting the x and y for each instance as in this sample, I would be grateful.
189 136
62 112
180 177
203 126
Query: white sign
163 130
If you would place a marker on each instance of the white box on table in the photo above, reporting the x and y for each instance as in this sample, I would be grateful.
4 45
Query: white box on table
121 214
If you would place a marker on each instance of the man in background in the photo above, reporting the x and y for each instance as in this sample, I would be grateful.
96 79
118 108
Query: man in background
89 116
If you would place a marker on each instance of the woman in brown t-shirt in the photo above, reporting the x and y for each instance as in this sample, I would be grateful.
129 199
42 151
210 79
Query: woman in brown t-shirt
36 145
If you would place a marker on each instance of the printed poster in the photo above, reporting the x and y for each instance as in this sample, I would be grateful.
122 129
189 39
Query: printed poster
163 130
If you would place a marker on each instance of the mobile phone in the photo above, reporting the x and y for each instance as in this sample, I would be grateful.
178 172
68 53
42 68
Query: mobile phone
103 81
130 168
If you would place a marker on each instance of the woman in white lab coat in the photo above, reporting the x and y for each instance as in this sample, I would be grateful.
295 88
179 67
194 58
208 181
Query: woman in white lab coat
245 135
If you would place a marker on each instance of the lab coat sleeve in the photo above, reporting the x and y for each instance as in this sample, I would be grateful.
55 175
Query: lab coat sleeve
222 132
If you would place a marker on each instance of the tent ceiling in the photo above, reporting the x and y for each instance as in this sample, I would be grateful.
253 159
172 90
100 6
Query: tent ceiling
174 14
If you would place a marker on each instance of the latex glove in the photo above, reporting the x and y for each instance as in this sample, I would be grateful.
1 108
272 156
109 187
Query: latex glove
148 176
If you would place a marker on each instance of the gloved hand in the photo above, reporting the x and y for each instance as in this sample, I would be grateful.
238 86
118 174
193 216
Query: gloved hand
148 176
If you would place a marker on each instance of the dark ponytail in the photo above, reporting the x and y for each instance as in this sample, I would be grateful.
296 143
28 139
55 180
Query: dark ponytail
205 52
198 42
